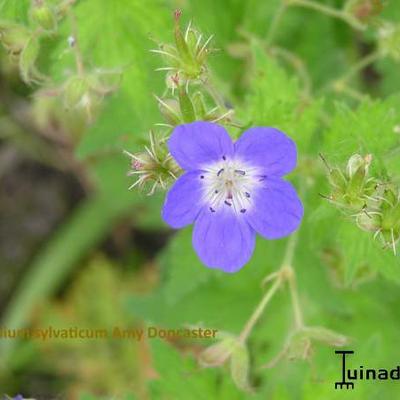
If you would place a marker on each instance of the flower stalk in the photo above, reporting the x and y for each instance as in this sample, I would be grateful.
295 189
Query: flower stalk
329 11
284 274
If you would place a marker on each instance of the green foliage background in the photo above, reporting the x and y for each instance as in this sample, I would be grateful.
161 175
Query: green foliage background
346 282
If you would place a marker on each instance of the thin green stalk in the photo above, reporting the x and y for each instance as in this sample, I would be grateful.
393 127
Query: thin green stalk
284 273
329 11
259 310
298 314
354 94
275 23
360 65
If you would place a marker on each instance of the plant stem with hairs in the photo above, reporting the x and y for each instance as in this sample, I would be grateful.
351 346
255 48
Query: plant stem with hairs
329 11
285 273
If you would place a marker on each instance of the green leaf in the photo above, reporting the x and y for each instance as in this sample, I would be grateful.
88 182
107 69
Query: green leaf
276 100
361 252
175 369
370 129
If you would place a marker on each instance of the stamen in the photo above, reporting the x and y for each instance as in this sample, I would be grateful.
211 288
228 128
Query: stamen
201 176
230 182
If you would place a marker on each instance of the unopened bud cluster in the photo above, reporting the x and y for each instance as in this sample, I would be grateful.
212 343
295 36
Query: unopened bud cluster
22 43
188 97
154 167
373 203
186 58
88 89
83 89
187 78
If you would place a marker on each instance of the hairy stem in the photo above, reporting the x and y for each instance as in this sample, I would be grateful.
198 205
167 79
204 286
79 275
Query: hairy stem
259 310
360 65
79 60
285 273
298 314
329 11
275 23
75 46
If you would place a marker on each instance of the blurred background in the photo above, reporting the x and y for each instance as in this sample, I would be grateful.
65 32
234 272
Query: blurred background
77 248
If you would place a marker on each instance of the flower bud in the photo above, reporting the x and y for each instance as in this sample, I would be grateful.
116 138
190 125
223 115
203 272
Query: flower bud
299 347
369 221
218 353
391 218
27 61
186 106
154 166
357 162
239 366
180 41
104 81
45 17
326 336
14 37
173 81
75 90
337 179
188 55
170 110
199 106
352 189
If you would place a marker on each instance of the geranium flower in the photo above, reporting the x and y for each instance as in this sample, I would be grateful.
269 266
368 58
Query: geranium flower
231 191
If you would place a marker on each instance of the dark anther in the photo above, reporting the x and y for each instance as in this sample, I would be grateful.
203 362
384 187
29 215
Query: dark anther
216 191
220 172
224 158
243 210
247 194
227 203
240 172
201 176
211 209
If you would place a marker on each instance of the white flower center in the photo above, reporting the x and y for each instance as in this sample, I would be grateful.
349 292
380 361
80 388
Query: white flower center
230 183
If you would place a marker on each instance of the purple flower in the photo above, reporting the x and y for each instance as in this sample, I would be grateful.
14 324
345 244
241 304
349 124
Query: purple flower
231 191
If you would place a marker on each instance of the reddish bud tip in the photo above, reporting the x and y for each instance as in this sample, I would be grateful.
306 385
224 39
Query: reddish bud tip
175 79
177 14
137 165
